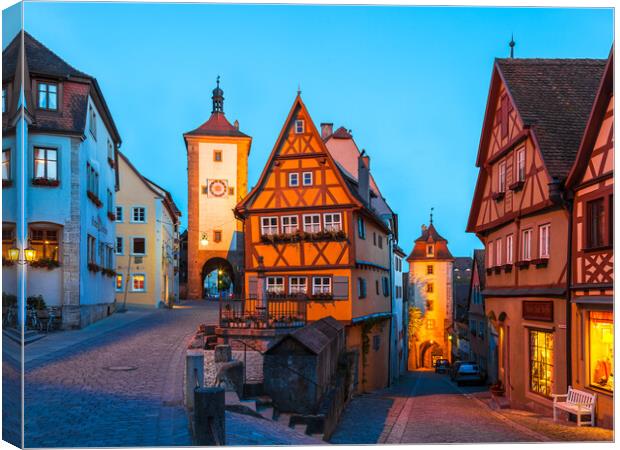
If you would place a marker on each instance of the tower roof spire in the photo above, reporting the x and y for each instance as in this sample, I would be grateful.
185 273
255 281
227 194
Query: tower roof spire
218 98
512 44
432 209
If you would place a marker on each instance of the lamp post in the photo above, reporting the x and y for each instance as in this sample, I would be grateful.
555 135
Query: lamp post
30 255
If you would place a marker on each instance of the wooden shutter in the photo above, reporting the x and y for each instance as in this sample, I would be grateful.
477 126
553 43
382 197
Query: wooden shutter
341 288
252 287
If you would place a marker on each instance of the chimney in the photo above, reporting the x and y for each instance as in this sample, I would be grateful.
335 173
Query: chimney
236 124
363 176
327 129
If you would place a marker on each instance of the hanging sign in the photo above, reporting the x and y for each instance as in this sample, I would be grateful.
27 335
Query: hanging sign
534 310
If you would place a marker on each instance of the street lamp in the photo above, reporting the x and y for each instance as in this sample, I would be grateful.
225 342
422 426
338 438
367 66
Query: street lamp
204 240
29 255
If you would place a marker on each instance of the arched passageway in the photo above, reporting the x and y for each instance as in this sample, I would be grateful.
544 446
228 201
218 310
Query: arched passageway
218 278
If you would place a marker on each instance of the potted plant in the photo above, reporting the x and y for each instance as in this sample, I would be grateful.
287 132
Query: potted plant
498 389
45 263
42 181
93 267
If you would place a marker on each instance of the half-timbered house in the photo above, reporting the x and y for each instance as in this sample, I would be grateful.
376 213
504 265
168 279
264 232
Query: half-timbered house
592 326
536 113
311 236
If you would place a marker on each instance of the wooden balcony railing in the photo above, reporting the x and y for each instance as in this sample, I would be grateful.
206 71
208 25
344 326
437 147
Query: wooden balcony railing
268 313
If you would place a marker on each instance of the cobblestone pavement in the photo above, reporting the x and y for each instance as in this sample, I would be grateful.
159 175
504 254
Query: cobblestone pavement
253 366
425 408
74 397
246 430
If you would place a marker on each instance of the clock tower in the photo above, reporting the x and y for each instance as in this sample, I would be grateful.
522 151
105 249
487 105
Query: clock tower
217 174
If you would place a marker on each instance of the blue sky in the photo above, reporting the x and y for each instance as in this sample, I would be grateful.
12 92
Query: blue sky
410 82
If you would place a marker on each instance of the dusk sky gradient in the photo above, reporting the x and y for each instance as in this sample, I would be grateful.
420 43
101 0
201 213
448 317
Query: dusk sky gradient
410 82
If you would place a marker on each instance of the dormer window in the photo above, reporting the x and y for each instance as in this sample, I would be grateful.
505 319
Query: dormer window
299 126
430 250
48 96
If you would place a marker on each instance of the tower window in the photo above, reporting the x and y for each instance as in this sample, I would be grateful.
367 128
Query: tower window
430 250
217 155
299 126
429 269
217 236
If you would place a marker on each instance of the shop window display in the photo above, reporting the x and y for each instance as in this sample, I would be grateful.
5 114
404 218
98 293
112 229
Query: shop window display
541 362
602 350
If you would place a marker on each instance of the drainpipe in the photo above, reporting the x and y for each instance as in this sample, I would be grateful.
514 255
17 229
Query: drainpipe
569 275
391 293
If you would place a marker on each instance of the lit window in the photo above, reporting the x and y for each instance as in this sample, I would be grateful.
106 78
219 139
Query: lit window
321 285
8 239
217 236
293 179
501 181
269 226
138 246
289 224
521 164
119 282
543 241
119 214
299 126
541 362
430 250
217 155
275 285
430 324
45 242
120 245
138 282
430 288
6 164
138 214
602 349
307 178
526 245
429 269
297 285
312 223
509 249
333 221
48 96
45 164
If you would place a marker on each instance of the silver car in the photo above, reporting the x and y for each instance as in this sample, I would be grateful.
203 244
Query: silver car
468 373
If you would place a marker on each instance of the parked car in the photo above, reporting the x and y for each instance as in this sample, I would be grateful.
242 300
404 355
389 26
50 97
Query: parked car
455 367
442 366
468 373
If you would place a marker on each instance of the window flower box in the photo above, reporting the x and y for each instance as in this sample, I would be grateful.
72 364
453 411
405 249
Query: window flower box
322 296
489 270
93 267
497 196
7 183
94 199
108 272
276 295
7 262
497 269
507 268
111 216
111 162
516 186
45 182
45 263
540 262
522 264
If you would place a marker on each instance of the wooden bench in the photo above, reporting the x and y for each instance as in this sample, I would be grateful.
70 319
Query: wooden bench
577 402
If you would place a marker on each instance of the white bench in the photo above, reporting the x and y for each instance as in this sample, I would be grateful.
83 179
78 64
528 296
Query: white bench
577 402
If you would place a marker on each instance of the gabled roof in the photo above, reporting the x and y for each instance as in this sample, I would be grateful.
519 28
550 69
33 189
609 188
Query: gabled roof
217 125
479 264
553 97
605 91
314 337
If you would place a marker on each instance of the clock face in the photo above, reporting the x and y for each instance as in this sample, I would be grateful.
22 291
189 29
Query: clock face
217 188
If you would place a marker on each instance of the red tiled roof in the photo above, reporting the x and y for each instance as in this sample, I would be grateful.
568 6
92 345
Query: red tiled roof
341 133
430 235
217 125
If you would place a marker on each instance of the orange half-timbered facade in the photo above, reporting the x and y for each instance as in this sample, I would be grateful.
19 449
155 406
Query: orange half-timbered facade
536 112
311 236
592 325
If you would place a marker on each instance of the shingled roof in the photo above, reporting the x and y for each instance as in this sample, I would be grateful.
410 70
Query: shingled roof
430 236
554 98
217 125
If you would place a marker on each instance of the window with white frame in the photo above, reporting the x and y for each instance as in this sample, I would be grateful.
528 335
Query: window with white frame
119 214
526 245
521 164
91 249
289 224
6 164
138 246
110 151
543 240
293 179
268 226
45 163
138 214
138 282
92 180
321 285
498 252
509 249
299 126
312 223
297 285
501 180
490 254
275 285
48 96
120 245
307 178
332 221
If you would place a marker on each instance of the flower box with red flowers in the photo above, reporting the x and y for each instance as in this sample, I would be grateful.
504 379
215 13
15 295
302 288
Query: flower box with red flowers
507 268
94 199
94 267
522 264
111 162
7 262
45 263
489 270
7 183
45 182
497 196
111 216
516 186
540 262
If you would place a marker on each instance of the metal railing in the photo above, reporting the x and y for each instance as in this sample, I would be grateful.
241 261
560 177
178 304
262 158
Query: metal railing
263 313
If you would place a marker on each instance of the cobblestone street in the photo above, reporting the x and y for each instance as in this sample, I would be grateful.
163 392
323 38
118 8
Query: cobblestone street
428 408
119 388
